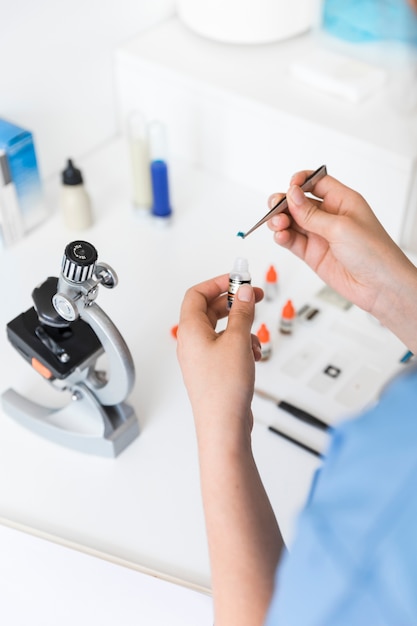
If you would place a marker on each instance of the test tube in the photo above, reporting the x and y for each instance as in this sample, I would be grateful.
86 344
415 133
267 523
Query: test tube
139 154
161 206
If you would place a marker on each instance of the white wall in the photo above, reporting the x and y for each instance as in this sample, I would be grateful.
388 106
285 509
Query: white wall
56 69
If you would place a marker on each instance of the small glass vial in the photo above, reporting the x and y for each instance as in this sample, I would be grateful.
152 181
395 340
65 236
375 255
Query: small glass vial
264 337
237 277
271 284
287 318
139 155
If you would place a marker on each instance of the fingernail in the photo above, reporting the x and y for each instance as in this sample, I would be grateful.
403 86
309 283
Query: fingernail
245 293
297 195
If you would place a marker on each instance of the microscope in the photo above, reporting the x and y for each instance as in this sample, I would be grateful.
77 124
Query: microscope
62 336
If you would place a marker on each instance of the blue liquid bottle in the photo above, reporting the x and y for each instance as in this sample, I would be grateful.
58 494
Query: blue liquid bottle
161 207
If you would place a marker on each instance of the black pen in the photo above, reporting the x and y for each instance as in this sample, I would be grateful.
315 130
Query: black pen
298 443
295 411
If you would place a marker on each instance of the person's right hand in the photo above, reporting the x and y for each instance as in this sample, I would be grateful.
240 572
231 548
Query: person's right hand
340 238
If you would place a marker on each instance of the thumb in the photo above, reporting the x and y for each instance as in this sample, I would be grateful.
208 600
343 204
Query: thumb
243 310
306 212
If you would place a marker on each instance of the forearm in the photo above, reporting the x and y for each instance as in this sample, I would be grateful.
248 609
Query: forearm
396 305
244 539
219 372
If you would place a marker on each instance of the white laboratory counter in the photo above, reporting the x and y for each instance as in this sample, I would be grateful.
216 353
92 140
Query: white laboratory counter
143 509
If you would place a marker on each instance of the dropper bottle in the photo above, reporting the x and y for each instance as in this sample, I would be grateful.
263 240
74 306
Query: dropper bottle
271 284
75 201
264 337
237 277
287 318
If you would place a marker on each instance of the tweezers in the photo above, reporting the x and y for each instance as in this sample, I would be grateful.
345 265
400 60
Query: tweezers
308 185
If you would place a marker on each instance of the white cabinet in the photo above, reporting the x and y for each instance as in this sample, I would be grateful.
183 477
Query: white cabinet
237 110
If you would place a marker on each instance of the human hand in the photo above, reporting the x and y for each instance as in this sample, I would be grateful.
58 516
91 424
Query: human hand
219 368
340 238
244 540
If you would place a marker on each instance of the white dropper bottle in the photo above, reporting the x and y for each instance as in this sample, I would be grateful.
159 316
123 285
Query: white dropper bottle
75 201
238 276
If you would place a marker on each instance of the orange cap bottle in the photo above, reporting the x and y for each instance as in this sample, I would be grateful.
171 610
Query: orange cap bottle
271 284
264 337
287 318
271 275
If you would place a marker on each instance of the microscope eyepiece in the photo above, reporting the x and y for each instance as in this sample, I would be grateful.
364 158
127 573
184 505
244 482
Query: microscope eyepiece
79 261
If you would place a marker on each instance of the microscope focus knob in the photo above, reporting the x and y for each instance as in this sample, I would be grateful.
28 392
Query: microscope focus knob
65 307
79 261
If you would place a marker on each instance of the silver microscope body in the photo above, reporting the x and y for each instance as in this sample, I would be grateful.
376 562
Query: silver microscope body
62 336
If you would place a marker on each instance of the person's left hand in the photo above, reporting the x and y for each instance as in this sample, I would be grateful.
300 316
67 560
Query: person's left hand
219 368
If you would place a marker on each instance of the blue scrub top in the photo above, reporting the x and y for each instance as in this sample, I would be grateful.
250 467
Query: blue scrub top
353 561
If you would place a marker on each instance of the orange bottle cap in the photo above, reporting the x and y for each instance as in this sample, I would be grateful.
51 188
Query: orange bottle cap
271 275
288 311
263 334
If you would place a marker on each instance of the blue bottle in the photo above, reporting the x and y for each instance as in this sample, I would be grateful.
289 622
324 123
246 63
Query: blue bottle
161 207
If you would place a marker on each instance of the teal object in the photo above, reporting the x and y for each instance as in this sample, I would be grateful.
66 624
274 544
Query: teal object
362 21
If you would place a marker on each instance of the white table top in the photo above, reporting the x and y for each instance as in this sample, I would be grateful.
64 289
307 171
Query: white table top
50 584
144 508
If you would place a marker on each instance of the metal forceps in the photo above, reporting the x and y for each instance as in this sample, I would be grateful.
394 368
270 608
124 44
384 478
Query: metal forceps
308 185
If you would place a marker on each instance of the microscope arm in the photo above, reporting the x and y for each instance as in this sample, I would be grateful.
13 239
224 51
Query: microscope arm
121 375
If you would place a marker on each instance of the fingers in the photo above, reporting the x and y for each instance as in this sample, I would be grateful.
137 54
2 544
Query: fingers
299 177
274 199
200 299
323 187
308 215
242 312
206 303
282 221
240 320
329 189
256 348
290 226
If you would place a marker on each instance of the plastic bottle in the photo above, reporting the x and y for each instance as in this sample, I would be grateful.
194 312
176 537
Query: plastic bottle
75 201
237 277
161 207
141 172
271 284
287 318
264 337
